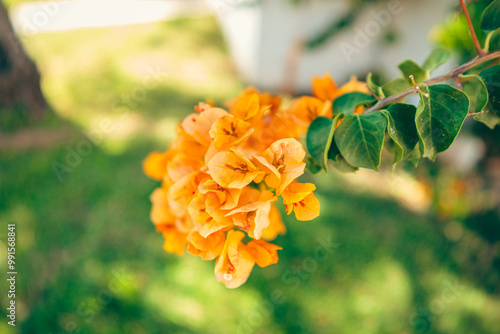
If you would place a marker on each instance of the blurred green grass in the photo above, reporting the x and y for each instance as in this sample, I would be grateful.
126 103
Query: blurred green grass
89 260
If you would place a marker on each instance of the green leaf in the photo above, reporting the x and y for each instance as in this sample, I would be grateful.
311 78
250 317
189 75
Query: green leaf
373 86
476 91
343 166
437 58
414 157
395 149
410 67
312 166
401 128
360 139
345 104
491 16
491 78
395 86
439 117
319 138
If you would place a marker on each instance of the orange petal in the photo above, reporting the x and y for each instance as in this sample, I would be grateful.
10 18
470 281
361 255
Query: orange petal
229 131
213 226
186 143
155 165
247 106
287 151
307 108
263 252
181 165
197 208
307 209
290 174
324 88
208 248
182 192
353 85
198 125
175 241
231 169
276 225
161 212
296 192
235 263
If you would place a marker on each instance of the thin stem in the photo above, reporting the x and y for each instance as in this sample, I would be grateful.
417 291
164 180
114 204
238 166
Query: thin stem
450 75
479 50
372 92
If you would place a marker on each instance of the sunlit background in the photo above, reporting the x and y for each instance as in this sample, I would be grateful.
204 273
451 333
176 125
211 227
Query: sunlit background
404 251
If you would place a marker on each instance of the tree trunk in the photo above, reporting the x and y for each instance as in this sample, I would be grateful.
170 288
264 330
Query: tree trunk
19 77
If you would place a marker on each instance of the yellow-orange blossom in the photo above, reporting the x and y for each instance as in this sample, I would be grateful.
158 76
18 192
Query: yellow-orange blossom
224 171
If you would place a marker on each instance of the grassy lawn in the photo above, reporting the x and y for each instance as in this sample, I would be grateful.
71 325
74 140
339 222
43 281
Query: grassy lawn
89 260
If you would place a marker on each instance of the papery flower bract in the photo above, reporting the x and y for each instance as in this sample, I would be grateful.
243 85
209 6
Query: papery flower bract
207 248
229 131
283 161
181 165
276 225
235 263
231 169
307 108
225 198
252 214
299 197
247 106
325 88
213 225
155 164
198 125
264 253
175 241
186 143
181 193
353 85
161 212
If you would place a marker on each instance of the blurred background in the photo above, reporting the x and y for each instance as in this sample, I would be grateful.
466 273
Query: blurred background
88 88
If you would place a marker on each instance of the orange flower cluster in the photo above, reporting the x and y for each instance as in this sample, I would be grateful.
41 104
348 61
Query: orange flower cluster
224 171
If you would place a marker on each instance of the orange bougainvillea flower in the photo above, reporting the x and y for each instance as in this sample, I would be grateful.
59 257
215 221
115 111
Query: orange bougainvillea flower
181 165
299 197
213 225
229 131
231 169
264 253
307 108
218 196
247 106
224 172
235 263
155 165
186 143
283 162
252 214
207 248
324 88
181 193
353 85
161 212
175 241
276 225
198 125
